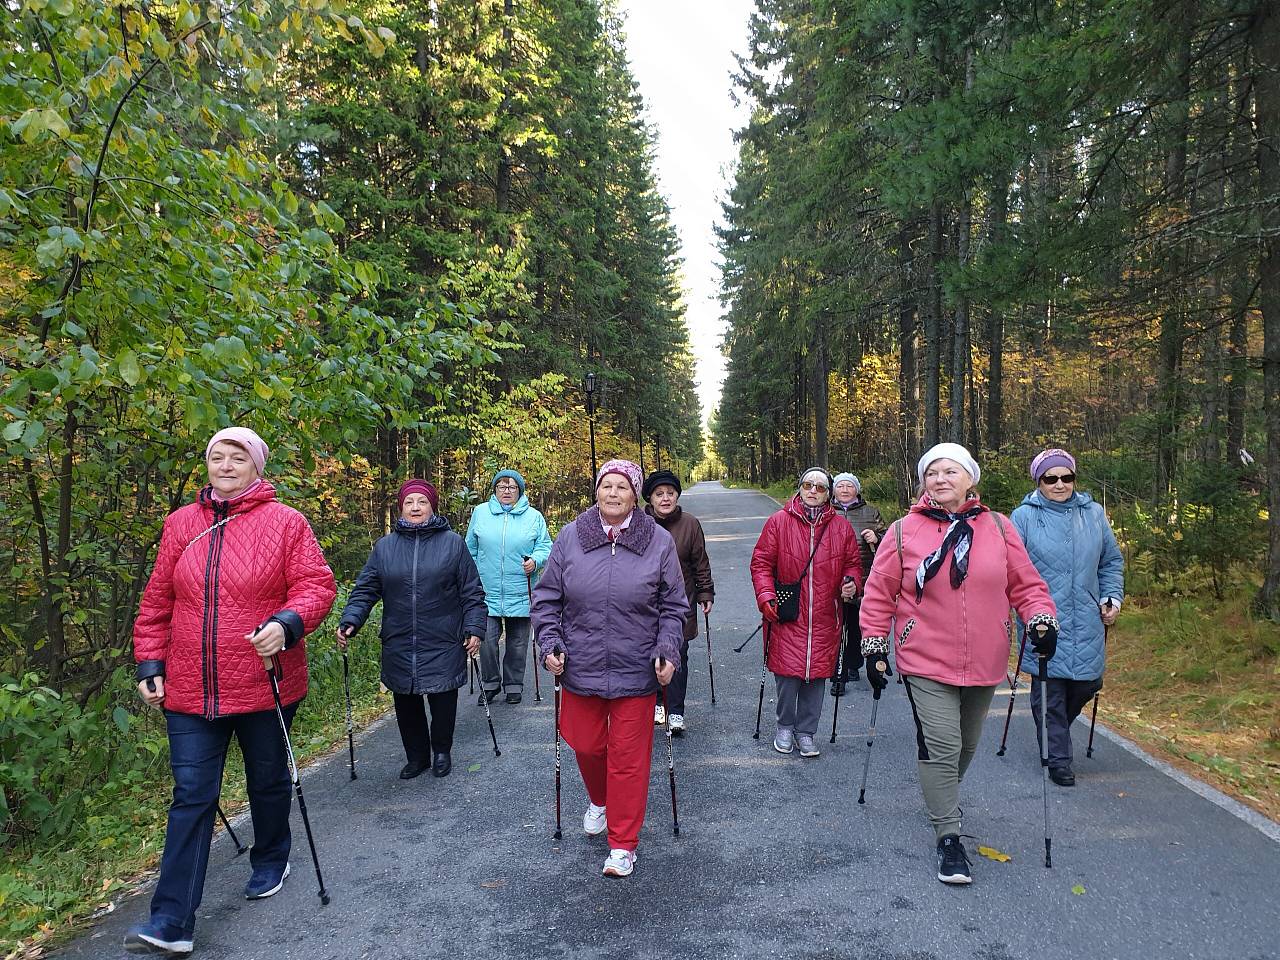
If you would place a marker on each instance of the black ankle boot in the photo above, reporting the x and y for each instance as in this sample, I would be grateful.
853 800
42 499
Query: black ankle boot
442 765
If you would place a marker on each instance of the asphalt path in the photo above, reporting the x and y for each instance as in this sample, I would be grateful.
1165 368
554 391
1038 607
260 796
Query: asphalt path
775 858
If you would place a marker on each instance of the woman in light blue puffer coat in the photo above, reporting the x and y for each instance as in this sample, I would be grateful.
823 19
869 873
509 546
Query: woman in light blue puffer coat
1072 545
509 542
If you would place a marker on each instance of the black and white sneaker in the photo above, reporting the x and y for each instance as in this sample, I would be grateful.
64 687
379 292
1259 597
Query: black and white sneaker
953 862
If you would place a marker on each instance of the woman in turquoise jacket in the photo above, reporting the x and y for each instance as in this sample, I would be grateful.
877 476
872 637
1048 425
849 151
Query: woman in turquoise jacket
509 542
1072 545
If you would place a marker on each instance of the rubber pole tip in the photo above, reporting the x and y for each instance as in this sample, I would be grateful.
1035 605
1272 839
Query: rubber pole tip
556 835
497 752
353 775
755 736
324 899
1000 752
676 831
861 798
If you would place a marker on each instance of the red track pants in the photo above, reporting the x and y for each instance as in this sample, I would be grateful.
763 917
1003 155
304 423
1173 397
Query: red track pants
613 741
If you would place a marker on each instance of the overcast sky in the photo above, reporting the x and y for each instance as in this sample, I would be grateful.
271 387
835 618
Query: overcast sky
681 52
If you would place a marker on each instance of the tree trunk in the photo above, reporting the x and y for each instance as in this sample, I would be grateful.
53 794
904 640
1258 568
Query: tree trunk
933 328
908 384
1265 42
821 392
995 322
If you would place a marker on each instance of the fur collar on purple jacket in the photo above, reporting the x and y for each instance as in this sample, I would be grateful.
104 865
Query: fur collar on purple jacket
636 537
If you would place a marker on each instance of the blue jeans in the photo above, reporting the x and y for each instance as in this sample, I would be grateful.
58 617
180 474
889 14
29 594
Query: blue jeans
197 755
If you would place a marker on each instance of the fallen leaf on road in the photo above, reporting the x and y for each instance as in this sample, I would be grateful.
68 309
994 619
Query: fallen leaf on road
474 768
1078 890
493 884
991 853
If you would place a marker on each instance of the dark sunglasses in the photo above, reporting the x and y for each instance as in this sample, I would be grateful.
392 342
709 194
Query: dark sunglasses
820 487
1049 481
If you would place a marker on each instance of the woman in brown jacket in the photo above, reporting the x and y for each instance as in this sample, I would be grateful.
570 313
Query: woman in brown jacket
661 492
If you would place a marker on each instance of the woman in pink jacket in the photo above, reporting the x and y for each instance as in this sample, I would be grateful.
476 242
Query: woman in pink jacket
951 632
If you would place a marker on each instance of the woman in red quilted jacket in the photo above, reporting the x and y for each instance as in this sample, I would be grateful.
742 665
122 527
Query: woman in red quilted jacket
239 577
801 651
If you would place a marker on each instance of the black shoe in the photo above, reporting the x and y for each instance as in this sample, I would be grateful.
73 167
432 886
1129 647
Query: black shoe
853 676
837 688
486 696
414 768
953 862
513 698
1062 776
442 765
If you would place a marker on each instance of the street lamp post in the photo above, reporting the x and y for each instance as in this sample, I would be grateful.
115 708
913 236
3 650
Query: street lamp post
591 422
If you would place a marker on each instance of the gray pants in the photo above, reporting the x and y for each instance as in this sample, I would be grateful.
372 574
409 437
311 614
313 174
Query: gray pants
1066 699
517 638
948 726
799 703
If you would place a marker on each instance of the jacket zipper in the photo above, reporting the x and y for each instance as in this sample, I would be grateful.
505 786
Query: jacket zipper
209 621
413 628
502 566
808 649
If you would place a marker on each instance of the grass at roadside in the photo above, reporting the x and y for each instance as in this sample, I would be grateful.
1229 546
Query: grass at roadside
47 890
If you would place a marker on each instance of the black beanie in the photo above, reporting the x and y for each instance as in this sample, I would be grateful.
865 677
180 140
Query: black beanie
657 479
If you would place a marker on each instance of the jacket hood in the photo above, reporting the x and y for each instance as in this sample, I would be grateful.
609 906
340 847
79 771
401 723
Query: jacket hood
926 503
436 524
1038 500
591 534
520 506
263 492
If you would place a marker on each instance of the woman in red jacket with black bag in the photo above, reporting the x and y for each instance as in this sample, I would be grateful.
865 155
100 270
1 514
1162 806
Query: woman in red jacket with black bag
239 577
805 564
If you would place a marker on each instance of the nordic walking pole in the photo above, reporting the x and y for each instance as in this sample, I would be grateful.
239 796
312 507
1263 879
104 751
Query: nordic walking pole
555 694
1044 756
346 688
240 847
742 646
537 685
871 737
471 680
837 680
1093 722
1013 692
269 663
764 666
484 697
671 760
711 667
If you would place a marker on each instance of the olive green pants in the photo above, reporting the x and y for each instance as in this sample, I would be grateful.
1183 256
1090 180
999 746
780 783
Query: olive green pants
948 727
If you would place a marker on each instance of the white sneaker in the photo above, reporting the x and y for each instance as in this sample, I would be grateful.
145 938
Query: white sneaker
659 716
594 821
677 724
620 863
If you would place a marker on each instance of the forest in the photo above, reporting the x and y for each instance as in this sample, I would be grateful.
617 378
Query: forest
1011 225
392 237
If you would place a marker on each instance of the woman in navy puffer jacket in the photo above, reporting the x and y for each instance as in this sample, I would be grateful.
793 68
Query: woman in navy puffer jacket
1072 545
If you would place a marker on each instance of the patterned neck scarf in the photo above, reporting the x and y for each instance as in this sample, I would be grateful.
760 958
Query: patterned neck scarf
958 539
813 513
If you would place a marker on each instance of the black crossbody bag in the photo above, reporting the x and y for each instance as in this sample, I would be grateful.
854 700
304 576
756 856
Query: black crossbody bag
789 593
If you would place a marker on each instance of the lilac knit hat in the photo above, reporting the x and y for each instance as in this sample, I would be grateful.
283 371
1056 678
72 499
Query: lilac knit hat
624 468
241 437
1047 459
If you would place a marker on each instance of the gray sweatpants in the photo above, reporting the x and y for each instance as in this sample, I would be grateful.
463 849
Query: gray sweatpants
516 630
948 726
800 703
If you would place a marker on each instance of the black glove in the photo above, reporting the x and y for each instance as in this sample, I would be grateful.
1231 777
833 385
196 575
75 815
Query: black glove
1043 635
878 672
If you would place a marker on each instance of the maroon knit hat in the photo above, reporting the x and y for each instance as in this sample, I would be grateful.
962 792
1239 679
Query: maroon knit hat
418 486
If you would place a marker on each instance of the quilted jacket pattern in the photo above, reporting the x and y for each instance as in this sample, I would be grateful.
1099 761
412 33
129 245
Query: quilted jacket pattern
222 570
807 646
431 599
1074 548
499 541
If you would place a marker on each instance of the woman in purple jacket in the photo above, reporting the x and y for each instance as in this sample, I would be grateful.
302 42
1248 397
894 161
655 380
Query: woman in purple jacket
609 616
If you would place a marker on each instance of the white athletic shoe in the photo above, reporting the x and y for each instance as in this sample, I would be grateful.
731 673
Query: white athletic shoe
594 821
659 716
807 747
677 724
620 863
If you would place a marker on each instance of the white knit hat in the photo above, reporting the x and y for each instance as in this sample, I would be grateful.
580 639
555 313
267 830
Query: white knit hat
949 451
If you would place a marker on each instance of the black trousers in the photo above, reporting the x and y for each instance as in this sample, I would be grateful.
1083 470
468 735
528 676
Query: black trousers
419 739
1066 699
852 641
